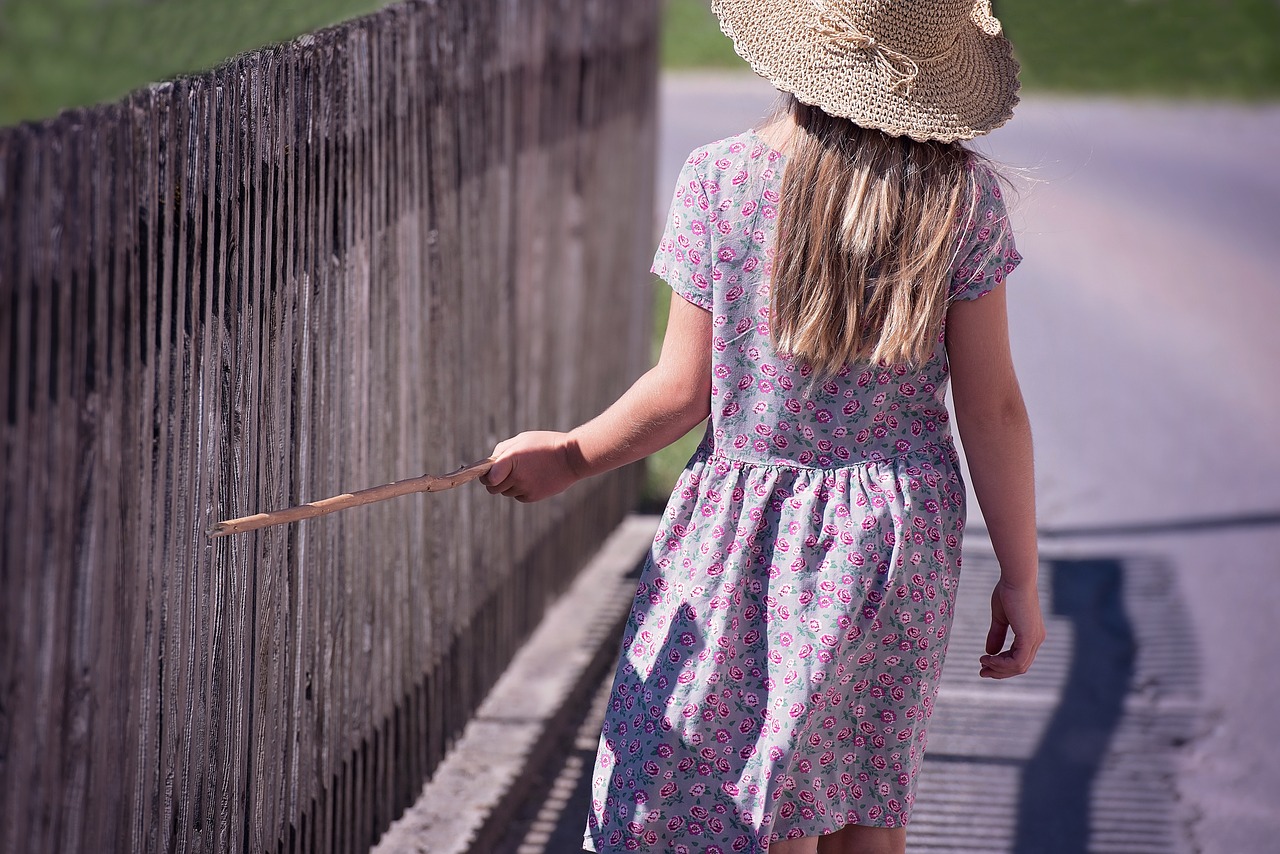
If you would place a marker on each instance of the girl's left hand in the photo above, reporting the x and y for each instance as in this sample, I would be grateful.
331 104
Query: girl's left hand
533 466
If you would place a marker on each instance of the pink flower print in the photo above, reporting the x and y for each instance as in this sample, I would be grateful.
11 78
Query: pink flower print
823 416
726 254
750 208
906 389
740 178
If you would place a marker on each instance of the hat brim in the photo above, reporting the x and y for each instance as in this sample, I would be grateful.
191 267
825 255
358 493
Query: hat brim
969 91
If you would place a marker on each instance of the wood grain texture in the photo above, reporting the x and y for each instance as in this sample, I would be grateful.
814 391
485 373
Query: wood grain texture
376 250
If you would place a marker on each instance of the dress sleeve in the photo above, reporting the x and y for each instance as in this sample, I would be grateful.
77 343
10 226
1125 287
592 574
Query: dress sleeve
685 254
987 253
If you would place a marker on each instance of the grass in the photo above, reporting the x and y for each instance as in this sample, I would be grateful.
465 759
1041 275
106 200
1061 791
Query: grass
1174 48
56 54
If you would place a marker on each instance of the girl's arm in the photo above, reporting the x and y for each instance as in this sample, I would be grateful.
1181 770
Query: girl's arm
993 425
663 405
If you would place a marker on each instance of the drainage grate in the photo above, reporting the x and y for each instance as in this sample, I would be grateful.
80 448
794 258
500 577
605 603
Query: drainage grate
1079 754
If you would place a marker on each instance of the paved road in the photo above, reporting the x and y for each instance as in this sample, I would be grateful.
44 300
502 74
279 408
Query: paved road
1145 331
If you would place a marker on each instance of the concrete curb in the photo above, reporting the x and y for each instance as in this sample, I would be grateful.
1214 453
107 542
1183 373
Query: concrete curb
528 716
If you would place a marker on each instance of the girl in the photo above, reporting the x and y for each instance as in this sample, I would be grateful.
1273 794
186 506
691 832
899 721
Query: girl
833 271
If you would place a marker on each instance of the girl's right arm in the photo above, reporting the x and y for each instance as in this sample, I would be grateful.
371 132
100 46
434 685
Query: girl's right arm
993 425
663 405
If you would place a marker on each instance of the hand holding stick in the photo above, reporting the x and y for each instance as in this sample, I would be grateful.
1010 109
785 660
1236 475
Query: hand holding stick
426 483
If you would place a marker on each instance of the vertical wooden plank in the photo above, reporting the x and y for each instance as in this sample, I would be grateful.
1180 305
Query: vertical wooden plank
12 802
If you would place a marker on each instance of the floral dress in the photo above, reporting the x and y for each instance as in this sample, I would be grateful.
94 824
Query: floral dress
784 648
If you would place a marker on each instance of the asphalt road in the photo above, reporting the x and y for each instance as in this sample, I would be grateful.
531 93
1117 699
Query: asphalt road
1146 330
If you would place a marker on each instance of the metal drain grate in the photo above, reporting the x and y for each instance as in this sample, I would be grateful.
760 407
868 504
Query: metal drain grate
1080 754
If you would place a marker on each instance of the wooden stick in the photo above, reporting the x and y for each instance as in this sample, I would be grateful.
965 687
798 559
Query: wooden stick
426 483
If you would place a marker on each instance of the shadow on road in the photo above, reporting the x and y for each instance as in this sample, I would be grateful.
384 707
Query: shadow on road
1056 781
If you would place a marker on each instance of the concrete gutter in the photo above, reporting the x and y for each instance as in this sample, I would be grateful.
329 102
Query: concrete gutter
529 716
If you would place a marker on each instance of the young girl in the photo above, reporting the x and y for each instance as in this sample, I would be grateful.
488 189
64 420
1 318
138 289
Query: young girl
832 271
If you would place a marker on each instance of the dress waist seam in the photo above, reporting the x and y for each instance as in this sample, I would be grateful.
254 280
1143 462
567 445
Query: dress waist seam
941 450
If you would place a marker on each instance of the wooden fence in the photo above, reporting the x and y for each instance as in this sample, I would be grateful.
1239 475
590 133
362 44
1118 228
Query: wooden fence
326 265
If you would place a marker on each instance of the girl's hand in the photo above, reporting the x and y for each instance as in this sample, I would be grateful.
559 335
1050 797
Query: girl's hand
1016 608
533 466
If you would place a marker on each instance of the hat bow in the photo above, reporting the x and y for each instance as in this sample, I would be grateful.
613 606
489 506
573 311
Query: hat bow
840 36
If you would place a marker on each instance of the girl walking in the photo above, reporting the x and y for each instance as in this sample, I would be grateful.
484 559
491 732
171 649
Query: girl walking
833 271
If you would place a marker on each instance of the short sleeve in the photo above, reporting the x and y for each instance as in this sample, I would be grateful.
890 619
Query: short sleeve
685 254
986 253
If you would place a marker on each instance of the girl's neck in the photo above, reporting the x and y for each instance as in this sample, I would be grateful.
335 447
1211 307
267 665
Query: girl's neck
777 131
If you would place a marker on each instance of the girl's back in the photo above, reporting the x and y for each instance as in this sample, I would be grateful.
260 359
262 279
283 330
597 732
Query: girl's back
717 253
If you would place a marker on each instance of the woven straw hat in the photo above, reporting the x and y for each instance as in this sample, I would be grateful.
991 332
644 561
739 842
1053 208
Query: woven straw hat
927 69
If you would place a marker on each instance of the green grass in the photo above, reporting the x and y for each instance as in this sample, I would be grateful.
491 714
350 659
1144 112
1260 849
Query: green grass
56 54
1177 48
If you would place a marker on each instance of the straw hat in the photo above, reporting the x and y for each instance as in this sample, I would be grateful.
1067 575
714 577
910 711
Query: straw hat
927 69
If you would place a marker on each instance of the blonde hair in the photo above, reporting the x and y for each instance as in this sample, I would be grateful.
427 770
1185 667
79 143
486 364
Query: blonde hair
866 226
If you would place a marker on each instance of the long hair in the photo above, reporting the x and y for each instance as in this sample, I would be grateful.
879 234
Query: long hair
865 235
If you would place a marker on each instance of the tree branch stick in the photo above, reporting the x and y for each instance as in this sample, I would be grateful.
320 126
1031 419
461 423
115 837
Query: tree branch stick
426 483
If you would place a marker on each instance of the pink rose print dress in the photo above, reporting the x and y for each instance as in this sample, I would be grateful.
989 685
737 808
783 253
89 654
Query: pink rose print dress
784 648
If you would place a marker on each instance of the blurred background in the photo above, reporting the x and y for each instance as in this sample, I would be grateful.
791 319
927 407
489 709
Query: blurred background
56 54
68 53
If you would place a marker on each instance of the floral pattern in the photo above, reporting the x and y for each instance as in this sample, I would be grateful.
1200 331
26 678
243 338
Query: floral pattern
783 651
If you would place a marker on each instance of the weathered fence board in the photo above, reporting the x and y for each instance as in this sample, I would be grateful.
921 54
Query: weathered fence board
325 265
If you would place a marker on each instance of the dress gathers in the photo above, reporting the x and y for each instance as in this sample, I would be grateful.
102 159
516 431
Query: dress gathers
783 651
